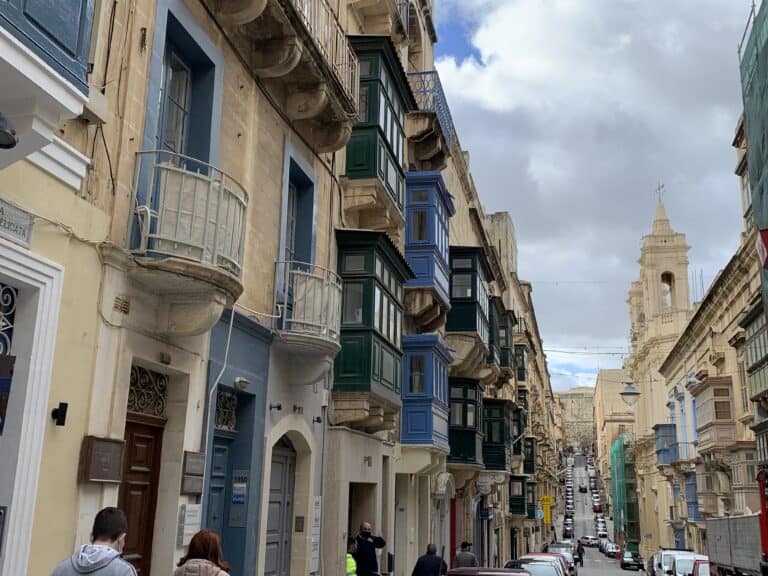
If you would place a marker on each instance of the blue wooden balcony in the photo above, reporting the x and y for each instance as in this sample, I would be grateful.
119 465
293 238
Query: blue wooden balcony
424 416
58 32
666 444
429 208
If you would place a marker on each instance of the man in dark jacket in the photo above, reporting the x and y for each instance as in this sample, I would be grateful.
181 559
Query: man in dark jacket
365 556
430 564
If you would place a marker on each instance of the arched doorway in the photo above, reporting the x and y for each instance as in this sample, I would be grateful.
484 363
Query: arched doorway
441 529
280 511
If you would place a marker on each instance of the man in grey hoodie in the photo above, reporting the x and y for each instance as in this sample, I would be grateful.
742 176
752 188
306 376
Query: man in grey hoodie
103 556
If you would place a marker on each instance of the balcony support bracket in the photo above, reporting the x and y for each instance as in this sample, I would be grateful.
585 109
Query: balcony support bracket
276 57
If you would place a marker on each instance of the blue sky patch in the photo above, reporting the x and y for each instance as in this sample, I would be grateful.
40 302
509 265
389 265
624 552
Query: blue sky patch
454 35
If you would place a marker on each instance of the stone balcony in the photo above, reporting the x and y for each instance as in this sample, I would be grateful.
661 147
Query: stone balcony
185 241
307 306
383 17
430 128
301 52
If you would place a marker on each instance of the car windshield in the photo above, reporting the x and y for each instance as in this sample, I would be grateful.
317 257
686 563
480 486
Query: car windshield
684 565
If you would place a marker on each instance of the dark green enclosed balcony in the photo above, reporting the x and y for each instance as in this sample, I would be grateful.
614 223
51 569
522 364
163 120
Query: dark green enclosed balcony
517 504
529 456
374 184
465 422
530 500
498 427
521 354
368 370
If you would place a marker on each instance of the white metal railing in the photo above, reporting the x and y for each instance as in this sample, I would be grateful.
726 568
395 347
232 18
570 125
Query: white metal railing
331 40
307 300
187 209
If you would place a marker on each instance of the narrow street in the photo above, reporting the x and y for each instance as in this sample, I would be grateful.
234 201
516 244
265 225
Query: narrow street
595 563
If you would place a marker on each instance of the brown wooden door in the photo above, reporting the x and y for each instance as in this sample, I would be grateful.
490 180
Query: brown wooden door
138 491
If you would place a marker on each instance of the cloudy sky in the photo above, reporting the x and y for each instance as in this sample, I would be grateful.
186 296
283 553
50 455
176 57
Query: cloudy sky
573 111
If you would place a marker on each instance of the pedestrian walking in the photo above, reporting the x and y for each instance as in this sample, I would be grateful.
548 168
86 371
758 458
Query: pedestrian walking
204 557
102 557
430 564
365 555
351 563
465 558
545 547
580 553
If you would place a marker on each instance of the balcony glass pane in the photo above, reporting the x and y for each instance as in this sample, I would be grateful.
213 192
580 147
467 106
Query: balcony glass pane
462 263
377 308
457 414
353 304
471 416
457 392
461 286
416 368
419 223
354 263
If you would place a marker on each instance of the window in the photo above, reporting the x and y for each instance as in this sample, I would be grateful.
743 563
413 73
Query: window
461 286
176 102
377 308
708 483
462 263
470 415
667 291
722 410
419 196
722 392
516 487
751 473
416 380
354 263
743 381
419 222
457 414
353 304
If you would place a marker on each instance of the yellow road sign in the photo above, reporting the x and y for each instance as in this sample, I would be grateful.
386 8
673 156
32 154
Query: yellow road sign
547 509
549 500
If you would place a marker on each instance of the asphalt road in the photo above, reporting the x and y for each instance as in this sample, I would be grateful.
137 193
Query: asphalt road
595 563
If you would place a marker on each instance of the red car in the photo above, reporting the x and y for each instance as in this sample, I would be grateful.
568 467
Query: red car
597 507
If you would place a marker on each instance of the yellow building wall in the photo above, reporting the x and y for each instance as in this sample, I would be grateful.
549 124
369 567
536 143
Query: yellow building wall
43 195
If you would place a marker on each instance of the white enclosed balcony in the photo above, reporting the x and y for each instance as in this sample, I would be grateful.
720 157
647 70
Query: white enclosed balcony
308 308
186 237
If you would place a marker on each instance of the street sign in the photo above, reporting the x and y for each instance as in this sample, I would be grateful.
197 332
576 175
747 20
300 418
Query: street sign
539 513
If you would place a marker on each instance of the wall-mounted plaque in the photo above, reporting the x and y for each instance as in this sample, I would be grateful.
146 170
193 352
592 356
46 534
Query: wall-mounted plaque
192 473
101 460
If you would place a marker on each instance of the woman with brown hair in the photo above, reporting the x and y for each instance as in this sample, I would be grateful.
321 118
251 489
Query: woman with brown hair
204 557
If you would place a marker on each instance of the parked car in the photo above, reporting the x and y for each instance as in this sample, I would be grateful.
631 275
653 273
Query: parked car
682 564
662 561
701 568
631 561
533 567
597 507
583 488
567 552
486 572
548 557
611 549
591 541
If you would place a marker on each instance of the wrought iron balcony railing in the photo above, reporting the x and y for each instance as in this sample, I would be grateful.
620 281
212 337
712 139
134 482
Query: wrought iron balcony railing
185 208
308 301
330 39
428 91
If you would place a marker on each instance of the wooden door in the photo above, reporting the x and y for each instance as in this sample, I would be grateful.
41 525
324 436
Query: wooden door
280 513
138 490
217 494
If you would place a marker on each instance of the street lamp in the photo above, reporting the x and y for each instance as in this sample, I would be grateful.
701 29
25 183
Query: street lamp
630 394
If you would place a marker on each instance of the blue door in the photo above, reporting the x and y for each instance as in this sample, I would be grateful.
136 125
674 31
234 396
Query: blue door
217 494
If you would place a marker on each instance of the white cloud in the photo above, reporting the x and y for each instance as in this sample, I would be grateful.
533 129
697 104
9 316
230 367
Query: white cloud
573 112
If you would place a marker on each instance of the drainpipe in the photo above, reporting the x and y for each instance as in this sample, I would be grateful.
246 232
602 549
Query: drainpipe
207 420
